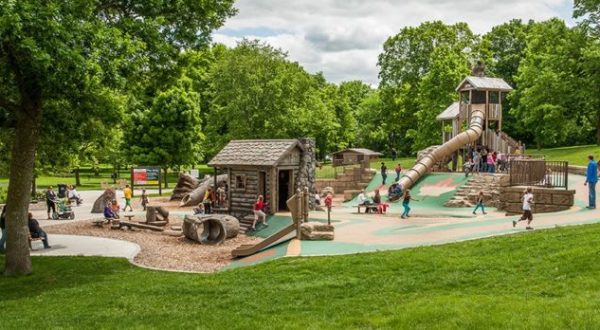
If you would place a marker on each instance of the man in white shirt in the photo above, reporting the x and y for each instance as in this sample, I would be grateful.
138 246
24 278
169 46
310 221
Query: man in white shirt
527 200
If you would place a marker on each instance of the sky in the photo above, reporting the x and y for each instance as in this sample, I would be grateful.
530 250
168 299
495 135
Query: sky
343 38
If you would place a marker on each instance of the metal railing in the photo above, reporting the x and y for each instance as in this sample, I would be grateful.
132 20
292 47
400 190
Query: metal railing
539 173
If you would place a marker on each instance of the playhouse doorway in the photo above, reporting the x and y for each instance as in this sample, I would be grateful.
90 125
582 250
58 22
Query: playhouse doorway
283 188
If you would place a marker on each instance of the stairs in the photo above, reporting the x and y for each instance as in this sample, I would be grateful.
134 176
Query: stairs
491 185
246 223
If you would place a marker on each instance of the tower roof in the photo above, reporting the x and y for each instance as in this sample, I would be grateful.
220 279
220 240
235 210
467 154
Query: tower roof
484 83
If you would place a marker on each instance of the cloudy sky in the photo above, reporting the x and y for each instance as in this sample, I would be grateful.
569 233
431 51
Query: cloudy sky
342 38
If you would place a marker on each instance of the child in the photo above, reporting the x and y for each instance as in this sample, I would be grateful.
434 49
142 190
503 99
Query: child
329 200
259 213
468 167
115 208
406 198
128 194
199 210
479 204
527 200
144 199
221 196
398 170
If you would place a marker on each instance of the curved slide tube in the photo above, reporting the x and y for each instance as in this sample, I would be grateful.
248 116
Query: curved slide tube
426 163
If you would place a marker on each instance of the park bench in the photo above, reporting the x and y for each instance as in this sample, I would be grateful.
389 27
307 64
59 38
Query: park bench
369 207
31 239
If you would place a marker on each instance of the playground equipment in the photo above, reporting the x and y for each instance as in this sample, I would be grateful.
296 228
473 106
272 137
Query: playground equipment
481 106
195 196
298 204
210 229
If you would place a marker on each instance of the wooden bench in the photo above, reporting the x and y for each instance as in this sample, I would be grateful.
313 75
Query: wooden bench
369 207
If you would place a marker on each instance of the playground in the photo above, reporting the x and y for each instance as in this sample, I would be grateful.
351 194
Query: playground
170 236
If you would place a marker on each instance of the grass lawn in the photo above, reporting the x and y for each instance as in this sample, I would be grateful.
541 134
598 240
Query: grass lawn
91 181
327 171
576 155
540 279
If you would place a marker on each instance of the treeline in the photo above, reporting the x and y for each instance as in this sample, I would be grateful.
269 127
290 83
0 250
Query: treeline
182 111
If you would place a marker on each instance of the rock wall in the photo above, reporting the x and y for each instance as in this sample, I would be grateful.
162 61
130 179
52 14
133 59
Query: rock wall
546 199
306 173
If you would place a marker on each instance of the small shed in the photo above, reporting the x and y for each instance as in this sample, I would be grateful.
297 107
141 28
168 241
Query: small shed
354 156
272 168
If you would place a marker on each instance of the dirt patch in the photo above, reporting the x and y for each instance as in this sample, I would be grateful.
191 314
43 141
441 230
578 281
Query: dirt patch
158 249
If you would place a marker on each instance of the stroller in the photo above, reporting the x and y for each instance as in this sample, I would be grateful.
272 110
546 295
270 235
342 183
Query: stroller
63 210
394 192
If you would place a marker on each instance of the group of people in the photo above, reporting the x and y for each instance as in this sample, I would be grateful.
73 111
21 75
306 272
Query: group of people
212 198
487 161
397 170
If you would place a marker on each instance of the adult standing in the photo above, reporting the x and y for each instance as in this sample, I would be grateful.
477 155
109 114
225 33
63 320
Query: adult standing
383 172
591 179
50 198
394 154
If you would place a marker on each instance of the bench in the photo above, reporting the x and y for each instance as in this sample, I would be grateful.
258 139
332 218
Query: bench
369 207
31 239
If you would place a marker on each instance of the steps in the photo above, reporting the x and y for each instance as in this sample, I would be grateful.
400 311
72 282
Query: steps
490 184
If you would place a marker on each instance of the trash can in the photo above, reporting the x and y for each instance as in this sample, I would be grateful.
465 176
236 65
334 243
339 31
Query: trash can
62 190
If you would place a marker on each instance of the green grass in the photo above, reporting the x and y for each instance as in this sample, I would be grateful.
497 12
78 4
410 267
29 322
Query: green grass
328 172
576 155
541 279
93 181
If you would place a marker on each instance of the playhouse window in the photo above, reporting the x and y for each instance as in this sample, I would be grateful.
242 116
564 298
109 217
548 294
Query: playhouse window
240 182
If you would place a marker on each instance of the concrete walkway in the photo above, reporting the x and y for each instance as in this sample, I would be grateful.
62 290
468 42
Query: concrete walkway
71 245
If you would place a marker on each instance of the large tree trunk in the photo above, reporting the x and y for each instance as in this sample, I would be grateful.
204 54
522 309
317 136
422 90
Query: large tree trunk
29 116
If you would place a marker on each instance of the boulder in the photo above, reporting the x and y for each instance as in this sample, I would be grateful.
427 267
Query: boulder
107 196
315 231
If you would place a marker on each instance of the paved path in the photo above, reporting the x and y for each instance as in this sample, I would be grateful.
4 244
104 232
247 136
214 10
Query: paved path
71 245
429 225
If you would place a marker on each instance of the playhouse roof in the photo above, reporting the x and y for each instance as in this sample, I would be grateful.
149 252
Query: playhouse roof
254 152
450 113
362 151
484 83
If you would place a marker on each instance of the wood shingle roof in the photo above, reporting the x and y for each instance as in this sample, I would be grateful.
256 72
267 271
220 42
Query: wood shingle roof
254 152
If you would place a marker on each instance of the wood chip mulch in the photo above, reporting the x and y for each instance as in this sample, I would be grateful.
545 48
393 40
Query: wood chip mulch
160 250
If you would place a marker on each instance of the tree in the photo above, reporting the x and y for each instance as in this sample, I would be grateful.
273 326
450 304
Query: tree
168 134
62 54
406 59
436 92
551 99
257 92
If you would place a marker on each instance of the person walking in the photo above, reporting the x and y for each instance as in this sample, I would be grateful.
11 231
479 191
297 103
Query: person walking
591 179
406 198
144 199
527 200
479 204
3 230
398 170
128 194
50 201
383 172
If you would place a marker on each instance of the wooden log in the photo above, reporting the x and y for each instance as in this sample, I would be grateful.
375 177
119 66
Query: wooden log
158 223
139 225
195 196
210 229
163 213
150 214
107 196
185 184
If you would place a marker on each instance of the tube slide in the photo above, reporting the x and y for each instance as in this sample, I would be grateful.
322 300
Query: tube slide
426 163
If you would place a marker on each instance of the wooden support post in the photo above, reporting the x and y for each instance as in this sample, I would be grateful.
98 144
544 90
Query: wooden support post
300 212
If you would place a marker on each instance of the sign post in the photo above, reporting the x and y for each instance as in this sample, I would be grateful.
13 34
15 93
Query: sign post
146 176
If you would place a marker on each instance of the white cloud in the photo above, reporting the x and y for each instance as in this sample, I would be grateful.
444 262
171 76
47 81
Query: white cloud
342 38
